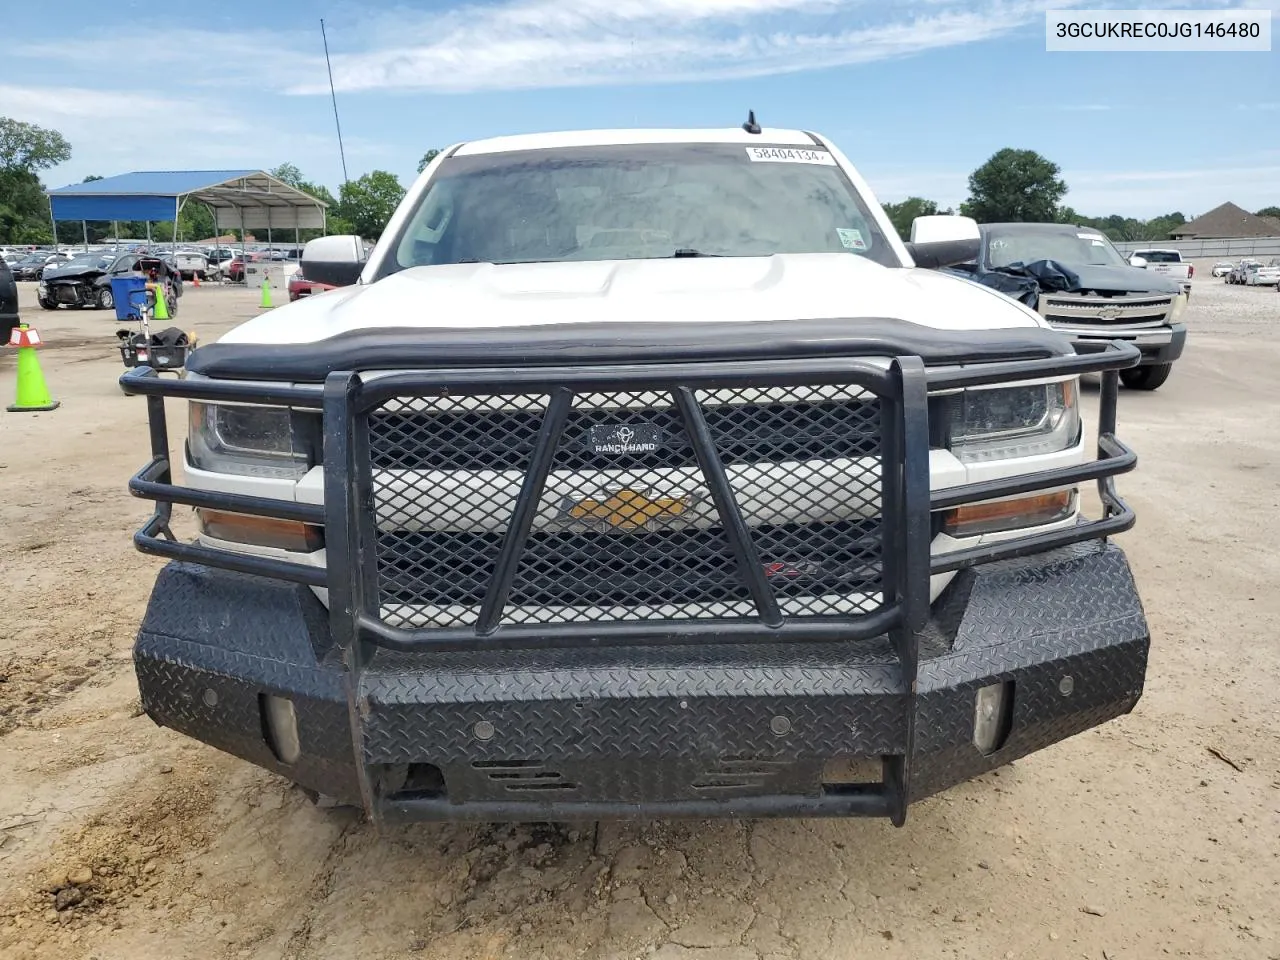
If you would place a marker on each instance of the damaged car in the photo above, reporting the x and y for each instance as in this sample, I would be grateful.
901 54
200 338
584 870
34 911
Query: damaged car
1084 287
86 280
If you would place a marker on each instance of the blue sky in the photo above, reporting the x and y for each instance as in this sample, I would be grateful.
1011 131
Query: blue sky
916 92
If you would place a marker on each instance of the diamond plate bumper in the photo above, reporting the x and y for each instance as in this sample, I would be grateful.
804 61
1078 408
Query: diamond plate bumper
635 730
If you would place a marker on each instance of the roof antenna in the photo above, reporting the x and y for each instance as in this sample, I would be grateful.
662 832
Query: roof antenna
751 126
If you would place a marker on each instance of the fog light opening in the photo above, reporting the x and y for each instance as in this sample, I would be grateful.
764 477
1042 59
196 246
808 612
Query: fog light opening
992 717
280 727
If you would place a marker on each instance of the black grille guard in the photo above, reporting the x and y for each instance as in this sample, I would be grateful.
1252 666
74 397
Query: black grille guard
902 386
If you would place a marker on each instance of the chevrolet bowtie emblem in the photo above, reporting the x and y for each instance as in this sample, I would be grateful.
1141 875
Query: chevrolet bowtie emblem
629 509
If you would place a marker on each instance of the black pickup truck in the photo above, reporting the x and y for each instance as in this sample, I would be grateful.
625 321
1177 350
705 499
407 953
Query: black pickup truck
1085 288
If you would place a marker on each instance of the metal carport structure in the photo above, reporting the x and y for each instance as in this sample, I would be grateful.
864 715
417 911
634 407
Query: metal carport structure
245 199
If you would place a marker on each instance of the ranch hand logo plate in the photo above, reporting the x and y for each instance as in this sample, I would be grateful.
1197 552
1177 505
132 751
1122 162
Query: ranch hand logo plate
623 438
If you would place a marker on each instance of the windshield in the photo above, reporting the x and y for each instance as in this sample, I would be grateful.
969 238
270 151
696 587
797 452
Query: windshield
1159 256
1008 246
97 261
638 202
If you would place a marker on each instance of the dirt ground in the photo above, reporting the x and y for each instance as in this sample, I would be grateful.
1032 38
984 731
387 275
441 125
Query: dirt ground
1155 835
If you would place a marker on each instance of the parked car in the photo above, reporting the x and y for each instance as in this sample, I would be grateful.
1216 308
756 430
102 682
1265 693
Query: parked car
1222 268
86 281
300 286
1264 276
1081 284
1167 263
8 301
1240 272
628 500
233 270
219 257
192 264
31 267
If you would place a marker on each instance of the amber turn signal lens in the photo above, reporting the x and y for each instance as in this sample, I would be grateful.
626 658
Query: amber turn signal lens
978 518
260 531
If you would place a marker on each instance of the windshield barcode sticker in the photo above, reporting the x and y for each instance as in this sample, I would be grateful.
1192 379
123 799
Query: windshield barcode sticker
851 239
790 155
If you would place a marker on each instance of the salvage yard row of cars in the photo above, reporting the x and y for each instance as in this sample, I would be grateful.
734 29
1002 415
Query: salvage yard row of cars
1250 273
84 279
206 263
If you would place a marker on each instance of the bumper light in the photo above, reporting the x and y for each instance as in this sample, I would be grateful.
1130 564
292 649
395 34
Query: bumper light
260 531
999 515
992 717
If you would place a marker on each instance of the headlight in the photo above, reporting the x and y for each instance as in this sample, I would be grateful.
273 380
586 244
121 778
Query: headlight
251 441
1179 305
998 423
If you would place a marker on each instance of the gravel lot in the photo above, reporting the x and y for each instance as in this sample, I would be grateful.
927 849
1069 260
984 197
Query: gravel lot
1158 834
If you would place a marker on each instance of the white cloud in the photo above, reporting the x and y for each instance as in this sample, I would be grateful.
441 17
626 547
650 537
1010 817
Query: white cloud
557 43
163 131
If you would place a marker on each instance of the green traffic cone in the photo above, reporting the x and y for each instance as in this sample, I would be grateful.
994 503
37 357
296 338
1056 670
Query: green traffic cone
266 295
33 394
162 307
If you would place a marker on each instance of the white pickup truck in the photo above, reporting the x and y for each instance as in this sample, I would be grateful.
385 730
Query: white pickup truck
1168 263
639 473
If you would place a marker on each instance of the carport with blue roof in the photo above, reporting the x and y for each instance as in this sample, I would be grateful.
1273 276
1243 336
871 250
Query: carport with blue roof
242 199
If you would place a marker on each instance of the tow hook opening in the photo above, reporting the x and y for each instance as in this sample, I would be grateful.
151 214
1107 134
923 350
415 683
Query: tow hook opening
992 716
280 727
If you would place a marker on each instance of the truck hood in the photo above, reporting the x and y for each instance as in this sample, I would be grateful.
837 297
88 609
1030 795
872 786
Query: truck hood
78 272
1096 279
684 291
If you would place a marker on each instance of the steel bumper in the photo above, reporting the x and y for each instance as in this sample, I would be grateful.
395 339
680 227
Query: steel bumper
1157 346
635 730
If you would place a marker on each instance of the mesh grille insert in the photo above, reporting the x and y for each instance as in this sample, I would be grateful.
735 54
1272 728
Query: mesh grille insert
626 528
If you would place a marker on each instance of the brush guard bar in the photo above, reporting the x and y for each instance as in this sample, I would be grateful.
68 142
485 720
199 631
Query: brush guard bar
902 388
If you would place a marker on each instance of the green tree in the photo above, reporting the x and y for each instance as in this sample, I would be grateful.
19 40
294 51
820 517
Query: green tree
1015 186
903 213
26 149
288 172
25 146
368 202
427 158
1268 212
24 209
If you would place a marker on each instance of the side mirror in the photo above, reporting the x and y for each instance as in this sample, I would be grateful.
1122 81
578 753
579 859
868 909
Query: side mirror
338 261
944 241
1137 261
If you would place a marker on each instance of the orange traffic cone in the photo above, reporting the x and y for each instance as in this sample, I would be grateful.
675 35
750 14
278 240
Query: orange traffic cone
33 395
195 279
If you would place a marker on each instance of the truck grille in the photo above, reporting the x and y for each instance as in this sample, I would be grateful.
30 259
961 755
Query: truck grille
1093 311
625 527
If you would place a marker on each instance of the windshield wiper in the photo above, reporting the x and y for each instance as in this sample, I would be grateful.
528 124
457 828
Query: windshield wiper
689 252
